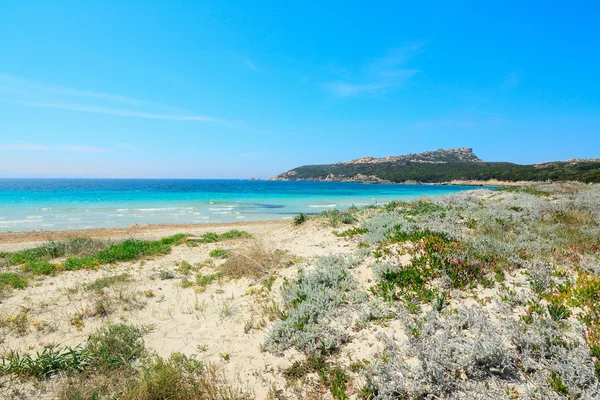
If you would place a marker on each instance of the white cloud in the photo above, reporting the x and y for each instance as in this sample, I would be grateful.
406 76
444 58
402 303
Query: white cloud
17 90
378 74
345 89
115 111
42 147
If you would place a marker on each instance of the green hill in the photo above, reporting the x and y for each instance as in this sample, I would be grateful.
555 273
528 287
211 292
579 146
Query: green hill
443 166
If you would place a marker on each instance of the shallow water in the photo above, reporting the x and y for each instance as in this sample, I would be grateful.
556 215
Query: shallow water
59 204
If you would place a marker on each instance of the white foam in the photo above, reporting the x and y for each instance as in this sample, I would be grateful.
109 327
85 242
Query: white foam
156 209
322 205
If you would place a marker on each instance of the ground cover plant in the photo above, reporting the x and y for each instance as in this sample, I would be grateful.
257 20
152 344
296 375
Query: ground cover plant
484 294
314 308
115 363
88 253
462 244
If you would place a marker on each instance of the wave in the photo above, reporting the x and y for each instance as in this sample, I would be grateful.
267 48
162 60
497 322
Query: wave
322 205
157 209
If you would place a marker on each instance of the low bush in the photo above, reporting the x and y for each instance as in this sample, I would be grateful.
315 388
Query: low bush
254 260
299 219
112 347
315 306
336 217
12 280
219 253
107 281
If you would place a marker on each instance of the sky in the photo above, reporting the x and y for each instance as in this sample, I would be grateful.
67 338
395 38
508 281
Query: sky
240 89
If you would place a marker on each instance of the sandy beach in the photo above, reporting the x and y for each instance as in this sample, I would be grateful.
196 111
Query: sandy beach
184 320
329 307
9 240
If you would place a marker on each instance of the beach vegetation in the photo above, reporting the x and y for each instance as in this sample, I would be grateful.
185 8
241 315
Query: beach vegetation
234 234
336 217
219 253
185 268
333 377
165 274
351 232
254 260
12 280
299 219
205 280
107 281
311 303
212 237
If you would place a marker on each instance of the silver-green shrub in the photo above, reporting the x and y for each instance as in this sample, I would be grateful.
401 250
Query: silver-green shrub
317 304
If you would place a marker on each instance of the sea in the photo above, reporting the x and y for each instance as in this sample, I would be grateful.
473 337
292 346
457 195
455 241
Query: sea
64 204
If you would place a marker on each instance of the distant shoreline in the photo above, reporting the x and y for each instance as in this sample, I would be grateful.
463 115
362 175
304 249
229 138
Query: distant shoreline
491 182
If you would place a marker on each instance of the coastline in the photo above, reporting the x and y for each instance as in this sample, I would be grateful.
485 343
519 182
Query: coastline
150 230
490 182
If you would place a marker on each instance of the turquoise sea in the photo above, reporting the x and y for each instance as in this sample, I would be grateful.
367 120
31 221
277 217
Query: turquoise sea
59 204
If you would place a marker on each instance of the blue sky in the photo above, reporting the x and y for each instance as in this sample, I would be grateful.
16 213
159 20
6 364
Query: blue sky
249 89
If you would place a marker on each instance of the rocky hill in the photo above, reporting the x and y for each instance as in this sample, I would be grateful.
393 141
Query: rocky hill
441 156
443 166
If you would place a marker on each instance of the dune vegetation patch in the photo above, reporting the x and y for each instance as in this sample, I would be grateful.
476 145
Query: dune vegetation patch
254 260
490 294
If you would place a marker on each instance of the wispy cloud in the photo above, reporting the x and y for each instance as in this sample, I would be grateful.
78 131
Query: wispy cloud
114 111
42 147
387 72
345 89
463 123
250 64
17 90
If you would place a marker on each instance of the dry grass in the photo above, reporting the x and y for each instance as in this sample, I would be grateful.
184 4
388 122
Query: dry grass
254 260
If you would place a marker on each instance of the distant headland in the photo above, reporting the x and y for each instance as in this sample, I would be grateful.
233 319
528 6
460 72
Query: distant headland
449 166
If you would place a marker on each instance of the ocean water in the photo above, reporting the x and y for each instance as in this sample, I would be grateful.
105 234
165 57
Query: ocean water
60 204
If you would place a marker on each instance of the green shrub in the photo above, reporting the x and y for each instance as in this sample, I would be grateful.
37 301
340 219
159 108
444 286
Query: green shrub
128 250
49 362
179 377
299 219
164 274
204 280
331 376
107 281
337 217
112 347
115 346
209 237
219 253
234 234
40 267
15 281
